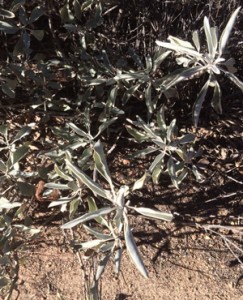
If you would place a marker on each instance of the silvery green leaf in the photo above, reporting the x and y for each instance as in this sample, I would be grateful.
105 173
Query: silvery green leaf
177 41
93 186
153 213
101 164
105 125
182 175
98 234
8 28
171 130
180 75
101 266
139 184
149 64
66 14
196 40
6 13
235 80
88 216
148 98
146 128
156 173
59 186
226 33
186 139
216 100
93 207
172 171
133 251
182 60
199 102
180 49
130 76
36 13
120 196
156 161
24 131
159 58
79 131
207 31
108 246
59 202
19 154
161 118
112 97
129 92
197 174
4 203
61 173
139 136
90 244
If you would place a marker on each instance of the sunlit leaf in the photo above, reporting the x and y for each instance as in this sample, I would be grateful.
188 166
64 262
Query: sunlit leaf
152 213
36 13
19 154
93 186
133 251
226 33
88 216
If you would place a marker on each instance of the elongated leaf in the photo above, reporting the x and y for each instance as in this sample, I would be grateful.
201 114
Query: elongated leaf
36 13
93 207
156 161
133 250
79 131
6 13
90 244
180 49
187 139
93 186
159 59
171 130
101 266
59 186
148 98
24 131
196 40
139 184
226 33
61 173
129 92
209 39
153 213
139 136
199 102
235 80
143 152
19 154
3 167
172 172
121 195
8 28
105 125
180 75
216 100
161 118
177 41
101 164
88 216
98 234
4 203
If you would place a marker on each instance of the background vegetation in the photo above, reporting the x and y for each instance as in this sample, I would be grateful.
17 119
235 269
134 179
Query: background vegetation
86 92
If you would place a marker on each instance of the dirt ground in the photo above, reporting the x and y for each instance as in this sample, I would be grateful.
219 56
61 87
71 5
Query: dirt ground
183 263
